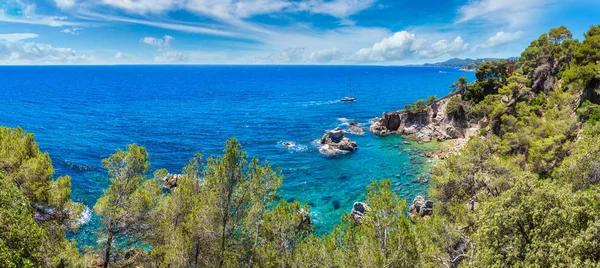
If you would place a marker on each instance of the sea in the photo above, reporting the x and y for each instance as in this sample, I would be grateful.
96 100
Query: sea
82 114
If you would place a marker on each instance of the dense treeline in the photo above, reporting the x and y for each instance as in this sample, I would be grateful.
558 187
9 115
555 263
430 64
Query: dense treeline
523 193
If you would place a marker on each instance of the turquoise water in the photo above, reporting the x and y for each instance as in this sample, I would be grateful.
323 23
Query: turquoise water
81 115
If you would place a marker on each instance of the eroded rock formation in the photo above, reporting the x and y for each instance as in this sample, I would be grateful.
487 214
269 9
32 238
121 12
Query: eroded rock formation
333 142
433 123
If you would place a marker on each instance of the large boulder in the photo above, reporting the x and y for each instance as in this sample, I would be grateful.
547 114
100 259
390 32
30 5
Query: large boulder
421 207
358 211
333 142
170 180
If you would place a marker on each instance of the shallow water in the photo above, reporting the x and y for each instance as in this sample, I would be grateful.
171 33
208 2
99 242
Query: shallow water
81 115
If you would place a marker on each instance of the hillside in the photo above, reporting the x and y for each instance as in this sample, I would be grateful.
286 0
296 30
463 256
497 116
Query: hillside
464 64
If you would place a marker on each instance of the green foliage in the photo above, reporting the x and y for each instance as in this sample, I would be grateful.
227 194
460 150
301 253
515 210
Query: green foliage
589 112
582 167
384 238
418 106
474 92
459 86
124 207
454 105
22 243
430 99
535 224
224 213
406 107
589 52
27 189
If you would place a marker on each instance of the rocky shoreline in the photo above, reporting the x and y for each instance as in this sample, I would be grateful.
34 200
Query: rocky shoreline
433 123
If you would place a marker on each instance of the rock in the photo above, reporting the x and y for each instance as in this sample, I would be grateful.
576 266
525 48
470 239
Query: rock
421 207
433 123
358 211
336 204
356 130
453 133
326 198
305 223
353 123
170 180
472 204
287 144
333 142
397 175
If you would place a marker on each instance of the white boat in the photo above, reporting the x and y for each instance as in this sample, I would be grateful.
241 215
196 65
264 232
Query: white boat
349 99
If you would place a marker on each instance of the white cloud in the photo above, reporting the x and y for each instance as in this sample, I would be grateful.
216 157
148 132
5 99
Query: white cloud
72 30
64 4
286 56
513 12
396 47
444 47
19 52
25 13
190 28
403 46
243 8
162 44
336 8
13 37
142 7
249 8
501 38
325 56
167 54
171 56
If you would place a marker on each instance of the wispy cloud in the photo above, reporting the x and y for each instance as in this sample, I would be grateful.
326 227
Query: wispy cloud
501 38
513 12
14 50
13 37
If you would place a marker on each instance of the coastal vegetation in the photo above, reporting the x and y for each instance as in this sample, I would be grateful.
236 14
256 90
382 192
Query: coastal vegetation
524 192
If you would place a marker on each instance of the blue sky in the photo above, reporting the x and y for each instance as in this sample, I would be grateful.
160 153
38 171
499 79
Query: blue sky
381 32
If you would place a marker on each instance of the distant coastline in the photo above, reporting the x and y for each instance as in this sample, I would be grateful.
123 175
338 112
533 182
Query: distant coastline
466 65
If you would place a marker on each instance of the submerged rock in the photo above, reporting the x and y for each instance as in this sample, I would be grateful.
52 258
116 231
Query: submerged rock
336 204
333 142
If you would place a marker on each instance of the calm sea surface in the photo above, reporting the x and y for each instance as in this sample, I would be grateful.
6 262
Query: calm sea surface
81 115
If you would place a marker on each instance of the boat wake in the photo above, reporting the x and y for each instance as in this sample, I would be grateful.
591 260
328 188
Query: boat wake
318 103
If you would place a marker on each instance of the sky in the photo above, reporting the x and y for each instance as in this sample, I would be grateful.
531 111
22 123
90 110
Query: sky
375 32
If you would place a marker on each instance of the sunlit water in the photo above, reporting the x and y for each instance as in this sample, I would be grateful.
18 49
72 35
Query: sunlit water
81 115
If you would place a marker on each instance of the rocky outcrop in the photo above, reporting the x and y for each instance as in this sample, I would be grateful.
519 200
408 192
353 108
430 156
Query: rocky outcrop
433 123
170 180
333 142
358 211
355 128
421 207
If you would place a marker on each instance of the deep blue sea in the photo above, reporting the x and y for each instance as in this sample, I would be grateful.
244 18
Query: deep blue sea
82 114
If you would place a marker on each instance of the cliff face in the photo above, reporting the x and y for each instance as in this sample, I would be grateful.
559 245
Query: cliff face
433 123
